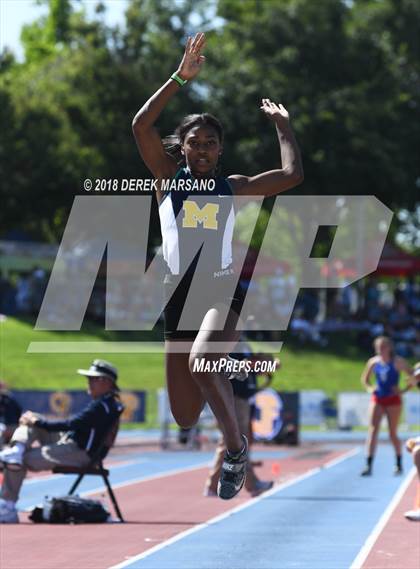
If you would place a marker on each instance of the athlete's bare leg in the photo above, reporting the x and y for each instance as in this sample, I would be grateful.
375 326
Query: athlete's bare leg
185 396
375 415
393 414
215 388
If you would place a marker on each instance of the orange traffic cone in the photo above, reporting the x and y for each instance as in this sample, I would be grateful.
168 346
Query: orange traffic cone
275 469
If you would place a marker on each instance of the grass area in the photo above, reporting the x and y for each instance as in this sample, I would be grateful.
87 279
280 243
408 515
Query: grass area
24 370
336 368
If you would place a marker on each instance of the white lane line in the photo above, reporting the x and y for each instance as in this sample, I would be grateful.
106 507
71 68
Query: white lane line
225 515
383 520
137 480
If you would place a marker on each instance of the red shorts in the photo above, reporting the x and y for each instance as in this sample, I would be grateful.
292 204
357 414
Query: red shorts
387 401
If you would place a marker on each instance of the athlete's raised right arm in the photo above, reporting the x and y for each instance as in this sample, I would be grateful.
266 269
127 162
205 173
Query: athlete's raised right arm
149 143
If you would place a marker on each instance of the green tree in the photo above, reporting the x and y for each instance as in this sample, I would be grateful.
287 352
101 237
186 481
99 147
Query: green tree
348 72
71 105
349 77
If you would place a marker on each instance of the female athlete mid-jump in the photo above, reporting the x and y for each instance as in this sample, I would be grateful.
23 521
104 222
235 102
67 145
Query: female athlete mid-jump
191 154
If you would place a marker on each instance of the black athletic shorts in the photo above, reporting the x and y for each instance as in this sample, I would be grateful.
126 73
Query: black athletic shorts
176 291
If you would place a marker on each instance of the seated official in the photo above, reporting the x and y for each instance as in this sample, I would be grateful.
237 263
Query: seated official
10 412
70 442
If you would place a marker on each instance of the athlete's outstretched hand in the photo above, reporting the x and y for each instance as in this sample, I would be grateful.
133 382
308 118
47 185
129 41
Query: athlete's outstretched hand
276 113
193 60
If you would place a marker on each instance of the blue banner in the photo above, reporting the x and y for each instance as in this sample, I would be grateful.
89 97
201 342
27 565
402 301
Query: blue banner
62 404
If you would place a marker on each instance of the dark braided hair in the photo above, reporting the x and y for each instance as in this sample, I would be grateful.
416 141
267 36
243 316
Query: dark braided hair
172 143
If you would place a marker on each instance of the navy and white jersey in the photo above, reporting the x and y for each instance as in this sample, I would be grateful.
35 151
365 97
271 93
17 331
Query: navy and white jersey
195 221
88 427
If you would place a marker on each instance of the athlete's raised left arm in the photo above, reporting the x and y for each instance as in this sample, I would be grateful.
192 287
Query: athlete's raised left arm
289 175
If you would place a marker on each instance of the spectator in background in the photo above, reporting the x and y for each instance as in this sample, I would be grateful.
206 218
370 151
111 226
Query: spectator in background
10 412
3 291
7 296
399 318
412 296
38 284
310 300
416 349
398 293
23 293
306 331
386 397
371 296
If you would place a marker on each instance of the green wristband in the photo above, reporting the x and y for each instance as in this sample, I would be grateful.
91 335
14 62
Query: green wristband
177 78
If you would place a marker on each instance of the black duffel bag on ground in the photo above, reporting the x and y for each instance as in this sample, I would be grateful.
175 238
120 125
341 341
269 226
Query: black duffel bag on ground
70 510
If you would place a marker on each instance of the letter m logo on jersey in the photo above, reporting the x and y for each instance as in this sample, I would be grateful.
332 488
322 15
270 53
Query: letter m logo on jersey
193 215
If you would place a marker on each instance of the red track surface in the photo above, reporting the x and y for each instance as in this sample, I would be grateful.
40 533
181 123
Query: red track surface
398 546
155 511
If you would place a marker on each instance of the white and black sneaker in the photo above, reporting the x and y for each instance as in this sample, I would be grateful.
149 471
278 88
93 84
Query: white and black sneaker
233 473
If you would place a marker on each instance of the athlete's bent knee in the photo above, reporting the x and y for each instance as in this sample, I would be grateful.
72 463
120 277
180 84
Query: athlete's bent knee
200 364
186 422
186 419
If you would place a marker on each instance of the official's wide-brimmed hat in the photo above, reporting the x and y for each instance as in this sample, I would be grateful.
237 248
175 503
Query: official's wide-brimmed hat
100 368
